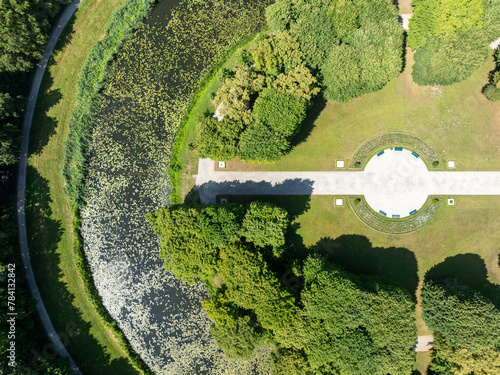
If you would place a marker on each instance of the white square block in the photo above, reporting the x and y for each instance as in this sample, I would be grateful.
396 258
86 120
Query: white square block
222 164
339 201
451 202
451 163
340 164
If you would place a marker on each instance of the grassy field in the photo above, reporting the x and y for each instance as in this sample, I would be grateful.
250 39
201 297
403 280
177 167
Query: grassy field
49 221
457 121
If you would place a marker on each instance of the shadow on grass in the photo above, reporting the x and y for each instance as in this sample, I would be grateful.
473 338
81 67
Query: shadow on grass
44 235
46 125
471 270
356 254
308 125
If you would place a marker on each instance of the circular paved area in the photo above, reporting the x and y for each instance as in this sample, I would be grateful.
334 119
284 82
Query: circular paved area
395 174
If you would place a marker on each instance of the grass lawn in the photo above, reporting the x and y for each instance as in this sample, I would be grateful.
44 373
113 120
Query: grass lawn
457 121
49 221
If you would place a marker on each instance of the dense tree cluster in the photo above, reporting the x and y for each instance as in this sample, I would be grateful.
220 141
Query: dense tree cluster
451 38
29 337
262 107
23 31
467 328
492 90
334 323
343 47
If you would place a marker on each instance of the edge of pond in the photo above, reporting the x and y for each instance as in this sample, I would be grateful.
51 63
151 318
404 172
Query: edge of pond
177 162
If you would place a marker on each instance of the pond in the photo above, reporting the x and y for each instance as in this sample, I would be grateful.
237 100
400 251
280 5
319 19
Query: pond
152 81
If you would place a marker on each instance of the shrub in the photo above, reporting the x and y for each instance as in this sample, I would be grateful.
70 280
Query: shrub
281 112
492 91
449 60
435 163
218 140
435 201
357 201
259 144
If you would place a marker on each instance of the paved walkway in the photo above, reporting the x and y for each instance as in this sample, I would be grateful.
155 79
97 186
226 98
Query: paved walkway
381 181
424 343
21 182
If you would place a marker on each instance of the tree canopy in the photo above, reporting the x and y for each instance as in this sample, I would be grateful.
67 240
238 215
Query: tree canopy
451 38
465 318
339 49
335 322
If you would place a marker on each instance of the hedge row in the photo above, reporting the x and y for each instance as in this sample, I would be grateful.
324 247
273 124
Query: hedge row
384 141
395 226
76 152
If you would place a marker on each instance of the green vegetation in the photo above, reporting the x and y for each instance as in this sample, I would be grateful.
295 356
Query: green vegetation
451 38
262 103
354 45
457 122
96 69
24 26
492 90
334 321
283 90
466 325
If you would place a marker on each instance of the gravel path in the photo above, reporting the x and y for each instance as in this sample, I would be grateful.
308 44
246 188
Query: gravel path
21 182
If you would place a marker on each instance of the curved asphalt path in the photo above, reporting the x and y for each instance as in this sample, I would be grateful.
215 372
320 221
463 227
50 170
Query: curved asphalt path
21 182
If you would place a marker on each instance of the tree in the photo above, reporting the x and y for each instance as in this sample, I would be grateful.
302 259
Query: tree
251 285
259 144
288 362
232 329
9 148
282 113
183 247
234 94
277 53
218 139
443 18
448 360
299 83
444 61
23 31
266 225
465 318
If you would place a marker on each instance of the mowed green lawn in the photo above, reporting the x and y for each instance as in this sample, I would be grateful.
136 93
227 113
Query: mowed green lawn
48 217
457 121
